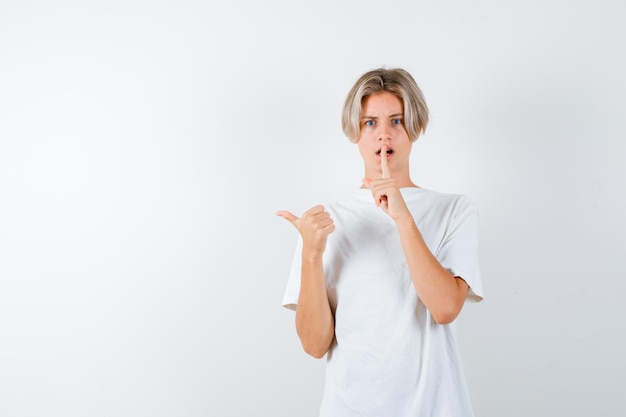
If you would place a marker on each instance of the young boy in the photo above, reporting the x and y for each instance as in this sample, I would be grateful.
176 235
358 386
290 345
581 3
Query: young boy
380 276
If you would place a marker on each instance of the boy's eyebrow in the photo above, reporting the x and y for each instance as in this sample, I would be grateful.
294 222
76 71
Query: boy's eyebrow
391 115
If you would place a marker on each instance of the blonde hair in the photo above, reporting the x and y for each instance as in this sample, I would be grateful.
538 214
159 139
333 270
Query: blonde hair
396 81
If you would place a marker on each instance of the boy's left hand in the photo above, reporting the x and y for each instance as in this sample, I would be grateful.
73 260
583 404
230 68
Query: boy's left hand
386 193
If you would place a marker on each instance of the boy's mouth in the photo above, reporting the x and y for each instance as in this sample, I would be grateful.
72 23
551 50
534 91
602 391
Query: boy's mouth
389 151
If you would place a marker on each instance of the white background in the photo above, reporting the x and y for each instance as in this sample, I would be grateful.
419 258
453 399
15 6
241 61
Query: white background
145 146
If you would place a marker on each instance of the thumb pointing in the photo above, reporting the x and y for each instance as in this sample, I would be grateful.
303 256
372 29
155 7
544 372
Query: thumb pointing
290 217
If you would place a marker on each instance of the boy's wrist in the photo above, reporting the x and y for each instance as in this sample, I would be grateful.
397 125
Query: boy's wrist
405 220
312 255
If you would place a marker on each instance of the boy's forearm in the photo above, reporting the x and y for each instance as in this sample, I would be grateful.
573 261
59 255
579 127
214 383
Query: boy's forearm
314 319
441 293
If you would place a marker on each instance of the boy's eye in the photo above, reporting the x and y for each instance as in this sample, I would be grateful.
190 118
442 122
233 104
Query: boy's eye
397 121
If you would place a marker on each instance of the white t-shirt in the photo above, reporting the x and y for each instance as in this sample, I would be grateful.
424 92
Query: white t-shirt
389 356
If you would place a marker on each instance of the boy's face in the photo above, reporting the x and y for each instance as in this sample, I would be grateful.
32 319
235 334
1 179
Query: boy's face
382 123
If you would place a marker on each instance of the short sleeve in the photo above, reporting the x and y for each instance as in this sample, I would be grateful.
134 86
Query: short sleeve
292 292
459 251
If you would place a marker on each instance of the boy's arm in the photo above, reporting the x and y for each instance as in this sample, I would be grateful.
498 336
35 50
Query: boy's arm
441 292
315 323
314 319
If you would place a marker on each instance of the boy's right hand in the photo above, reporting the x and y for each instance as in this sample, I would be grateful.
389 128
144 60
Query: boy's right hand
314 226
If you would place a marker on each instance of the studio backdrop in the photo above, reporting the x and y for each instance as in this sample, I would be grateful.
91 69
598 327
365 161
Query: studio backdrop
146 145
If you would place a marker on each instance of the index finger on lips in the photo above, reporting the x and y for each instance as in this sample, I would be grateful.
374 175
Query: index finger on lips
384 163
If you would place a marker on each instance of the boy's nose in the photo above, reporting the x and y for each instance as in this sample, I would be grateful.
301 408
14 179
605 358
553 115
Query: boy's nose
383 135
